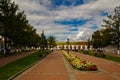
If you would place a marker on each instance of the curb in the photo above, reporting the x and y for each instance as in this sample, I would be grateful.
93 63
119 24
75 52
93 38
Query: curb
69 69
30 66
12 77
80 71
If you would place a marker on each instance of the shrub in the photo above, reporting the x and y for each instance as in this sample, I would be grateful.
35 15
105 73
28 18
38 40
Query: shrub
44 53
85 52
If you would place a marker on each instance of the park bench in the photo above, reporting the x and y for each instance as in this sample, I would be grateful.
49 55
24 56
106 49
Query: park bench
100 53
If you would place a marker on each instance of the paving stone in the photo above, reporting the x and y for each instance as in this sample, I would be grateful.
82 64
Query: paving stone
54 67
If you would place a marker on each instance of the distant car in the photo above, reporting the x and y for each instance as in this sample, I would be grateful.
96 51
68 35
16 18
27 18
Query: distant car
1 50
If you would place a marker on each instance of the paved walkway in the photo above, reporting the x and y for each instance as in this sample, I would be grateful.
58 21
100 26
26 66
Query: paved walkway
56 67
50 68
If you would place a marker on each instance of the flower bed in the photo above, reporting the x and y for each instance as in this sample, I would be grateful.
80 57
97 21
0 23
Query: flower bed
79 63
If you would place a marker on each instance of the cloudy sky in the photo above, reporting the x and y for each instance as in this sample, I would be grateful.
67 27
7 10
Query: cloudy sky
74 19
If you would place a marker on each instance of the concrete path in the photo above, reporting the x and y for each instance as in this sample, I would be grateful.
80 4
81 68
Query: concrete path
56 67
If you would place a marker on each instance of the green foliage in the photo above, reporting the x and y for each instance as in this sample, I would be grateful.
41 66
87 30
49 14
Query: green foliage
111 33
44 53
113 24
88 43
43 41
72 43
15 26
85 52
113 58
98 39
51 41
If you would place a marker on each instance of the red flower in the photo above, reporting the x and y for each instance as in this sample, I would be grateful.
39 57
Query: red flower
84 61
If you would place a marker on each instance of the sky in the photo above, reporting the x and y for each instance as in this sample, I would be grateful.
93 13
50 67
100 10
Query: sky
73 19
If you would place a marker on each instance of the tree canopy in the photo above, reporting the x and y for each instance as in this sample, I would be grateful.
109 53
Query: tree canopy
15 26
51 41
111 33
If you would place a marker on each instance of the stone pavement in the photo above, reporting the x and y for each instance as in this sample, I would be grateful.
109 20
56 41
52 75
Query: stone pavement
56 67
50 68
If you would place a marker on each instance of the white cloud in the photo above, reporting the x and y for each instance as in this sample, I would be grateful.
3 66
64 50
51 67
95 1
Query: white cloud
42 18
79 35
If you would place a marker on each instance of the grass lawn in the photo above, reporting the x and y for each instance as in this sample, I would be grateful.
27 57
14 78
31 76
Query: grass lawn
12 68
113 58
107 56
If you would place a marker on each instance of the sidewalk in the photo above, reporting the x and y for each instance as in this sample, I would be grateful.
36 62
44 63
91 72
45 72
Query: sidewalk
56 67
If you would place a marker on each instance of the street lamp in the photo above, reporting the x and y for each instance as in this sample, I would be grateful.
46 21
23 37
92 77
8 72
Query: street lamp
67 45
3 44
101 41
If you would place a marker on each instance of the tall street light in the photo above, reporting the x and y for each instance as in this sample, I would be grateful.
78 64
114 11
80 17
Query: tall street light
67 45
3 44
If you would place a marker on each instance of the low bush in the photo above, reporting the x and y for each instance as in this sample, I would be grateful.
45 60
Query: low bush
44 53
85 52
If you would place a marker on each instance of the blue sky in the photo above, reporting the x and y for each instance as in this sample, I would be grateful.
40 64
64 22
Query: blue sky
74 19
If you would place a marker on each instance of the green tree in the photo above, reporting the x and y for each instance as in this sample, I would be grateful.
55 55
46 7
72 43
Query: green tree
43 41
113 24
36 42
7 14
98 39
51 41
15 26
88 43
107 36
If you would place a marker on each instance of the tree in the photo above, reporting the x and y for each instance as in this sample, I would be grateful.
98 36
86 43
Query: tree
88 43
43 41
113 24
51 41
97 39
15 26
7 14
107 36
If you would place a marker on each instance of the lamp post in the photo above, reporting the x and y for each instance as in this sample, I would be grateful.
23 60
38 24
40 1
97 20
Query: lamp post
118 45
3 44
101 41
67 45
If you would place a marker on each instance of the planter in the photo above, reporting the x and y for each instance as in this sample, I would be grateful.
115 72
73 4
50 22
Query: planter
79 63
